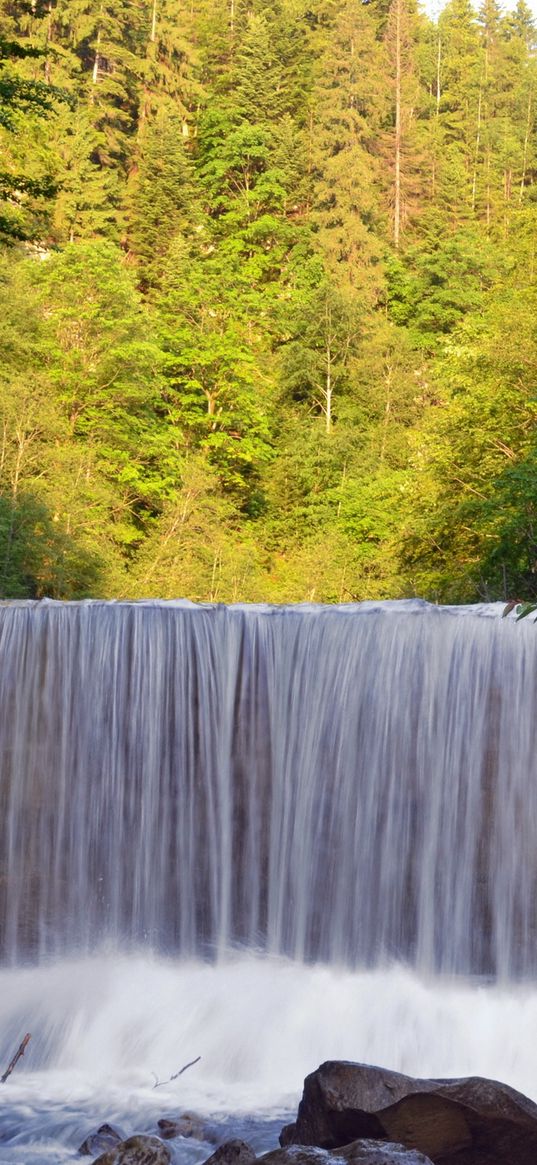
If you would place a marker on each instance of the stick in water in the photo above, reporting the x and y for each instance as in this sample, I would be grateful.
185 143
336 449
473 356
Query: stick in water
16 1058
159 1083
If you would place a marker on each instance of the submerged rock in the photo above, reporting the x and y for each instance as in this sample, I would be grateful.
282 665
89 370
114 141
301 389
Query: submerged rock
470 1121
362 1152
232 1153
188 1124
139 1150
106 1137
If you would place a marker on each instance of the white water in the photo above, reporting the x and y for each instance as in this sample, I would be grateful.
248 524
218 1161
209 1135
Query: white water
319 791
102 1027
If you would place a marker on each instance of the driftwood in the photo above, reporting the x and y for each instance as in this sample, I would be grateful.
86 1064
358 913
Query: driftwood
158 1083
18 1054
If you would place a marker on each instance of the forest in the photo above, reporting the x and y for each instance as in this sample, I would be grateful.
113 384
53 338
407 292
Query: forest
268 300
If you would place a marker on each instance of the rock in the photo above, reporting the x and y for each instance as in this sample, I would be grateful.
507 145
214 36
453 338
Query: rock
470 1121
363 1152
232 1153
105 1138
139 1150
174 1128
186 1125
367 1152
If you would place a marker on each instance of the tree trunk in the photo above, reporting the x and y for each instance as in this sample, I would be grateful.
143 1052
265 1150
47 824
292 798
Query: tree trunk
97 62
437 116
398 126
526 145
477 148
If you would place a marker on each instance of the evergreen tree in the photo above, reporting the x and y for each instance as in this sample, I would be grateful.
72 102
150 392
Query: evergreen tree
460 82
402 138
350 105
87 192
171 66
24 101
161 194
108 40
307 373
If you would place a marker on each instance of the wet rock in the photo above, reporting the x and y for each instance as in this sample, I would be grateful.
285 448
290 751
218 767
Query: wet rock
139 1150
232 1153
453 1122
169 1129
106 1137
362 1152
188 1124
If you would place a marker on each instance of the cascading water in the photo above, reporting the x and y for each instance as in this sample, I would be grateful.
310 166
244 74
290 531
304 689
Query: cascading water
332 808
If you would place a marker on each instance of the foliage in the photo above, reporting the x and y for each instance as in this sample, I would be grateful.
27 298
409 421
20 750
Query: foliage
267 309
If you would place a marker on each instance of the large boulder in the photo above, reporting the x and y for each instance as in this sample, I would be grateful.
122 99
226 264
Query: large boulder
363 1152
139 1150
454 1122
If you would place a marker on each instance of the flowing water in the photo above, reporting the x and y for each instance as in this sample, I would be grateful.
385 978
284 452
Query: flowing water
262 836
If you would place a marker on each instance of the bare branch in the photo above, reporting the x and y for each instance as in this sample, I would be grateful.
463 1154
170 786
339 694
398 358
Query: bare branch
16 1058
158 1083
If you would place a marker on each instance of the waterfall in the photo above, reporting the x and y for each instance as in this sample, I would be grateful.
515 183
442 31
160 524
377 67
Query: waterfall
351 785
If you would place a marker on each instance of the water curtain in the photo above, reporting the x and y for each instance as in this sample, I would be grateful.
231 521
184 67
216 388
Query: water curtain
350 785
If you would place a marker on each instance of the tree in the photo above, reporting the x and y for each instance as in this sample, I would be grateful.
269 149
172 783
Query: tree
106 371
460 81
39 552
170 69
314 361
404 159
161 194
199 546
349 106
217 391
23 101
471 529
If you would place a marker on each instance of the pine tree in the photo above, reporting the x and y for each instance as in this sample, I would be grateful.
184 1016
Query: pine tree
461 78
403 152
24 101
87 193
517 82
349 108
108 39
270 64
171 63
161 195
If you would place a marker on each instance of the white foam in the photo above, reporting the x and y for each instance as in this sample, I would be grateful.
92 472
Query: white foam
259 1024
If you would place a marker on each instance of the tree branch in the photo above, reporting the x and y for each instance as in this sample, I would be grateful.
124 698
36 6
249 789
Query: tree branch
158 1083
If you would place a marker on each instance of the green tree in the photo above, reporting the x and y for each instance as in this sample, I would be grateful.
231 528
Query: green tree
24 101
470 530
350 104
40 553
219 396
314 361
402 140
161 195
460 95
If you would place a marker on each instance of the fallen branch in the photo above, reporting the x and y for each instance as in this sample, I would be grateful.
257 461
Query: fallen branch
16 1058
158 1083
